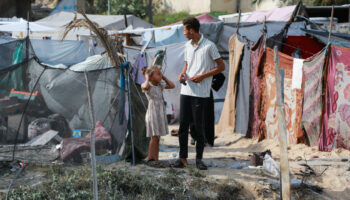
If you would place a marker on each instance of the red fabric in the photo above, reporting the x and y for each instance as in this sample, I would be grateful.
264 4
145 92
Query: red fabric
335 131
73 146
308 46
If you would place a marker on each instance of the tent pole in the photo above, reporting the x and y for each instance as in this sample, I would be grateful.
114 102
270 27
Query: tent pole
331 25
239 21
109 7
131 129
92 138
282 132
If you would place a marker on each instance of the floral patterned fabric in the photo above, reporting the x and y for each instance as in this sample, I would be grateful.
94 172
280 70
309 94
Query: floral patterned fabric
268 105
336 120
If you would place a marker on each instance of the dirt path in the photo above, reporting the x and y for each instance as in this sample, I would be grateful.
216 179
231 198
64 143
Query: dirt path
231 149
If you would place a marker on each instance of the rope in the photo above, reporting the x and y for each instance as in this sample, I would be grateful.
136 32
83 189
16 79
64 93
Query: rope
13 181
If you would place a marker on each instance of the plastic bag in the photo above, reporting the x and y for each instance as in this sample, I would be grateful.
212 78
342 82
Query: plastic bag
271 165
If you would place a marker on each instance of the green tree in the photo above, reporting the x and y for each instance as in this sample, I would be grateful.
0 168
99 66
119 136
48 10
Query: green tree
329 2
138 8
308 2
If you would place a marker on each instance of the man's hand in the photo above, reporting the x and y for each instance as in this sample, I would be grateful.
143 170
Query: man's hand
182 77
197 78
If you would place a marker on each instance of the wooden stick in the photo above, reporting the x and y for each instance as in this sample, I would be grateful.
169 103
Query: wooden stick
239 21
282 130
331 25
92 138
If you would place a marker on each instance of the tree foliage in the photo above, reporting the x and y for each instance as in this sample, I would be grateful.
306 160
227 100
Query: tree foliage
308 2
138 8
329 2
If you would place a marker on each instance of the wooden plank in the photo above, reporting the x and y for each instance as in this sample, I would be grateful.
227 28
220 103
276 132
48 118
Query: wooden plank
31 154
45 138
282 132
331 25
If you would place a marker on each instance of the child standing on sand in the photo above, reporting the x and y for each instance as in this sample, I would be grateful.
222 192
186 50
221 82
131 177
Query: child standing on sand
156 120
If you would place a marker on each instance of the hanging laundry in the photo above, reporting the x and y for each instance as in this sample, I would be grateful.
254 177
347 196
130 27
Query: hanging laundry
312 104
336 121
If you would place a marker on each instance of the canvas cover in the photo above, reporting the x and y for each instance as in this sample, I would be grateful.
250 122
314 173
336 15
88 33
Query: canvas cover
335 131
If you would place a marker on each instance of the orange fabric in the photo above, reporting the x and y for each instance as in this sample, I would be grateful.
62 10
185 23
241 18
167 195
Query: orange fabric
292 100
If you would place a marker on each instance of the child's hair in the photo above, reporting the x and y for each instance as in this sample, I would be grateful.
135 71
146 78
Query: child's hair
149 70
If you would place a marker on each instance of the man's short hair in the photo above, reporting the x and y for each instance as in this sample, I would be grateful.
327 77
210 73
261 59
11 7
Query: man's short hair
191 23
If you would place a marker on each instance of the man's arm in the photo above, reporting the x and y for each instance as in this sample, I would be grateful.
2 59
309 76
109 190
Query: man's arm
182 76
220 66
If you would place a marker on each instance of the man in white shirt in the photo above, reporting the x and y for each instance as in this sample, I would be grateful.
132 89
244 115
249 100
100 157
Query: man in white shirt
200 56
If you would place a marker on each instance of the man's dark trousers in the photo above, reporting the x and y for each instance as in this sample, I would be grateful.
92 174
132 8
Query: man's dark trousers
192 110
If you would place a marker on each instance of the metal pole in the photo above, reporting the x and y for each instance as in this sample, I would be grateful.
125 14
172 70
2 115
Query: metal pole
109 7
92 137
131 129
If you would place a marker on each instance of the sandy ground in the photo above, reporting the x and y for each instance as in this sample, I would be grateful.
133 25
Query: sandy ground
233 148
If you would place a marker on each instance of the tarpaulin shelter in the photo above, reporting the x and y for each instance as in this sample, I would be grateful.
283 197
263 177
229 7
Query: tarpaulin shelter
204 18
58 21
277 14
22 26
171 39
65 5
62 90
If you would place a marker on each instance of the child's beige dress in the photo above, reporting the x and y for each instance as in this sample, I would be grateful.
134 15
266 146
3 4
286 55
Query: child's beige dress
156 120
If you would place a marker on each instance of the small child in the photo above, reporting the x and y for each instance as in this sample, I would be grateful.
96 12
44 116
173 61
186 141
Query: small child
156 119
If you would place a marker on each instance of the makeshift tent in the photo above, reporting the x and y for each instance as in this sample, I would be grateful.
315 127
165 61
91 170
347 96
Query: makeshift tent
22 26
65 5
63 91
339 39
233 18
58 21
54 52
277 14
204 18
171 39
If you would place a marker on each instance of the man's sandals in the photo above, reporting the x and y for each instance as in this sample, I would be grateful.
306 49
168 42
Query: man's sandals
177 164
199 164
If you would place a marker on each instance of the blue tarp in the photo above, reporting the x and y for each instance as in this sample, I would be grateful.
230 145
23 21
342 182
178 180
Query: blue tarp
65 5
53 52
175 34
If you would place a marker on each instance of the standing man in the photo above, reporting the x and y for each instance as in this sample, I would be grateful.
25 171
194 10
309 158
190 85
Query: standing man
200 56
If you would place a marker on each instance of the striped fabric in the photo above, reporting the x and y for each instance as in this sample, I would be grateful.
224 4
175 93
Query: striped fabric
200 59
312 107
